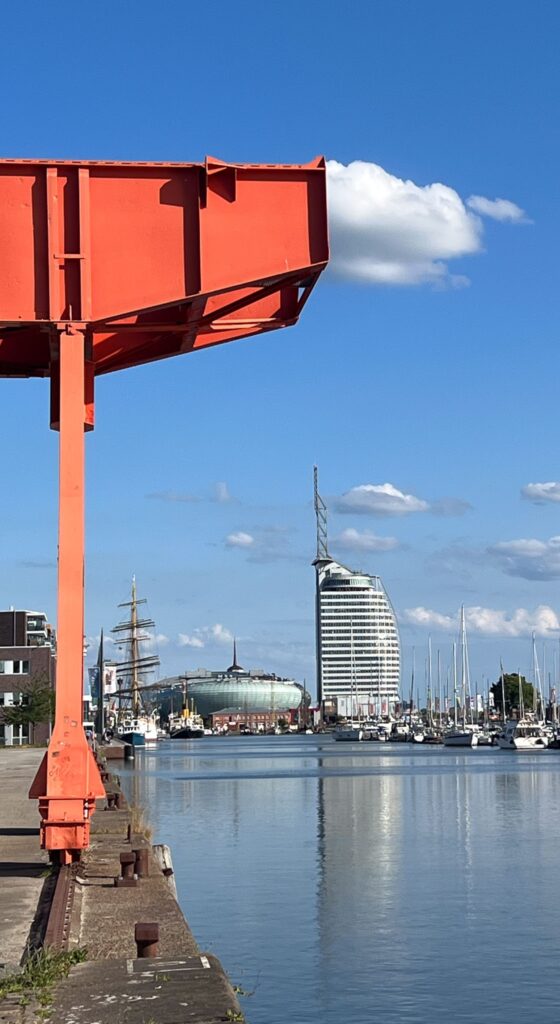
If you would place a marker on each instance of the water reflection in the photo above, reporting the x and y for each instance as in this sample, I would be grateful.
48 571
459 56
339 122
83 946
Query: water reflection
372 881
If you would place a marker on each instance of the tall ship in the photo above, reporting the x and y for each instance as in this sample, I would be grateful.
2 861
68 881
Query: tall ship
134 722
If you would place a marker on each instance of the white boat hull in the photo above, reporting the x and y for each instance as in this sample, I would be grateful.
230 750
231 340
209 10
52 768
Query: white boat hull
530 742
348 735
460 739
523 736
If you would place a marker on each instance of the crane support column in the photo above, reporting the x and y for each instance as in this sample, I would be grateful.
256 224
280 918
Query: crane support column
68 781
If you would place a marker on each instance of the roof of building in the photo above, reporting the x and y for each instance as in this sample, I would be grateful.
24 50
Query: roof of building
251 711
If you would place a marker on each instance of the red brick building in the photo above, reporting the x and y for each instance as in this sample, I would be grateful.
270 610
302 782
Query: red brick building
240 720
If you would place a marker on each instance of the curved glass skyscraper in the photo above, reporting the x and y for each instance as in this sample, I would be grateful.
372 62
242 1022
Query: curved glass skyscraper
358 647
357 637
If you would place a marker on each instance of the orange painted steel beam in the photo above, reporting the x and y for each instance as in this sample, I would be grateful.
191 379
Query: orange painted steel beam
104 266
68 781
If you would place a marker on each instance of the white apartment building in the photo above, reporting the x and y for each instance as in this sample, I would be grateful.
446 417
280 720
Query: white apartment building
358 647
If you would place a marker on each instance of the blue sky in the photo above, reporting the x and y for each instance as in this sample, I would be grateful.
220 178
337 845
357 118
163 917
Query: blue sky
443 384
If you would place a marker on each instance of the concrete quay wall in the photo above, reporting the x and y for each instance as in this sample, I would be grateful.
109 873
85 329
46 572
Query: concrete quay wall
114 984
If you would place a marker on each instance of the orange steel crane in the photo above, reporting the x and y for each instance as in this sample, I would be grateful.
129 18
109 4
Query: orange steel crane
106 265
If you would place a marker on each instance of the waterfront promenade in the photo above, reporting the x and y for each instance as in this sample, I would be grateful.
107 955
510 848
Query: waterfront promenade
22 862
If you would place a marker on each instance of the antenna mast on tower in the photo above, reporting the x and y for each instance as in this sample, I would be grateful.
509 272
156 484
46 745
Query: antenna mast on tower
321 515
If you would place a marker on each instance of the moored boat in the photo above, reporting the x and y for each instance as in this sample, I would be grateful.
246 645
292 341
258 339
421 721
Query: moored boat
348 732
460 738
523 735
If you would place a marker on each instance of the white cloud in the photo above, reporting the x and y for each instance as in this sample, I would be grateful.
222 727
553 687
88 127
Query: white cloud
185 640
204 635
541 493
219 633
543 621
498 209
529 558
427 617
263 544
379 500
157 640
239 539
354 540
391 231
385 230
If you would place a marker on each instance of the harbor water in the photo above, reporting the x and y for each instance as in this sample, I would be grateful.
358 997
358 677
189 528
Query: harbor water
365 882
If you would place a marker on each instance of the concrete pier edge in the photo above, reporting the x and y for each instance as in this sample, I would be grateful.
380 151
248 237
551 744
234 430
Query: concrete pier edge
116 985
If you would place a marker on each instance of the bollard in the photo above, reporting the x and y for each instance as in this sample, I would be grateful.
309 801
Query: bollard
127 876
120 801
146 937
129 833
111 802
142 863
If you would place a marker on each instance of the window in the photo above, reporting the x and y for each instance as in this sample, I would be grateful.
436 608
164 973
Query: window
20 668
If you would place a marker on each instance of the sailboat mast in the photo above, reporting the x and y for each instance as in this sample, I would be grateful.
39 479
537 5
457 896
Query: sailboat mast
534 677
353 690
134 651
439 685
455 684
412 685
463 680
503 695
430 716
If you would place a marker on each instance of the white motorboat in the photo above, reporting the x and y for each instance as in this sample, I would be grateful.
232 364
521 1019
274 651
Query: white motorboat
349 732
523 735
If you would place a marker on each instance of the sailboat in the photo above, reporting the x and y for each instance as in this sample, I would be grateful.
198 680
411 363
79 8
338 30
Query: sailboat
527 733
352 730
432 734
133 722
463 733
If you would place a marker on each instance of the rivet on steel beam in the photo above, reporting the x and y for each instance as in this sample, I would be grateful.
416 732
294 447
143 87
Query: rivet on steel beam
146 937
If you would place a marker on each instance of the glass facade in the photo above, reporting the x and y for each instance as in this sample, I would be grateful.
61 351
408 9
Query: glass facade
358 642
247 693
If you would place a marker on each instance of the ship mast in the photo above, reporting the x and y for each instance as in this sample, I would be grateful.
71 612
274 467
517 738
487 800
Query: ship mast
132 633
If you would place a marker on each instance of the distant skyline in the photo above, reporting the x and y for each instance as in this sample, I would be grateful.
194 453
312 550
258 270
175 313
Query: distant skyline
422 378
